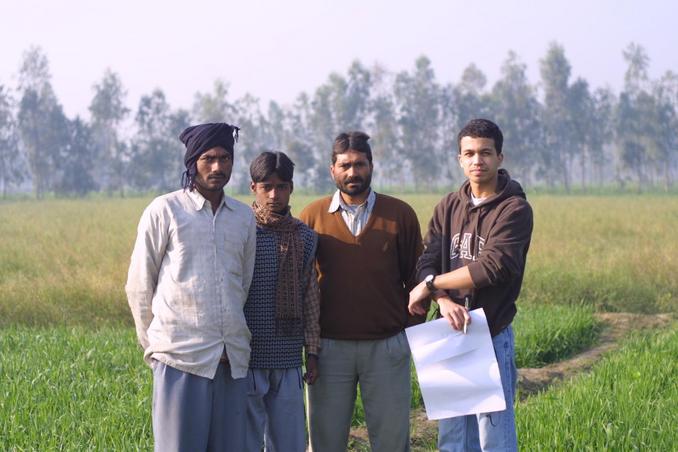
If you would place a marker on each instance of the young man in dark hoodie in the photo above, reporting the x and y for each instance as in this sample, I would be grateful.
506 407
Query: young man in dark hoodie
475 253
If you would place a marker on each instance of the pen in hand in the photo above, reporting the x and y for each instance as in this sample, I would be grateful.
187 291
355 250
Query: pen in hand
466 305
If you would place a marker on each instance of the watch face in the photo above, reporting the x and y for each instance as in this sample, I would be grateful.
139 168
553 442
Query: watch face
429 282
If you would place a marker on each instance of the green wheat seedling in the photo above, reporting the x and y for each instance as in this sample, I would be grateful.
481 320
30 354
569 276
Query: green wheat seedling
628 402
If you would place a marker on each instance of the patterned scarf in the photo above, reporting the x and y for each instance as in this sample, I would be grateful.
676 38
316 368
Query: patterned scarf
288 309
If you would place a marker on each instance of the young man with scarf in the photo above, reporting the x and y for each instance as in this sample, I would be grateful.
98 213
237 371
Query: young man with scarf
282 312
188 280
474 257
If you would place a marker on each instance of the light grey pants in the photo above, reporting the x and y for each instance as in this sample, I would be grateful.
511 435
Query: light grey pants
382 369
192 413
275 410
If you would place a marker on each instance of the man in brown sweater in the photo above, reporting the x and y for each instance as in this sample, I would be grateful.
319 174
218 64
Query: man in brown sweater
368 246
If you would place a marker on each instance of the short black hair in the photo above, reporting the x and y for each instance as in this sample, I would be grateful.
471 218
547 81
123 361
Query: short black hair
269 162
353 140
482 128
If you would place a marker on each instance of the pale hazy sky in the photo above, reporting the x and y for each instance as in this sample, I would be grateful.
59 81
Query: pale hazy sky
276 49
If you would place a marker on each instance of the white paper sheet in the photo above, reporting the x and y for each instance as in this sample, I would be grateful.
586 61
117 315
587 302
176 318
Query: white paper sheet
457 372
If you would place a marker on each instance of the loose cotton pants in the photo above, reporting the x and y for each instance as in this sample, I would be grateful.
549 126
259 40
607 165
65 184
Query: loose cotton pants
275 411
382 369
192 413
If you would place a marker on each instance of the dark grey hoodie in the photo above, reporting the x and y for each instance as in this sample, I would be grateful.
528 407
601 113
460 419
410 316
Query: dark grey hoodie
492 239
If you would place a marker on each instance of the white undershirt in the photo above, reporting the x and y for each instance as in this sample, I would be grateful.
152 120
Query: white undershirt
475 200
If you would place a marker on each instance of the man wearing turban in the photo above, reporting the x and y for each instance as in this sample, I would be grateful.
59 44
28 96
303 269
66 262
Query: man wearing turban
188 281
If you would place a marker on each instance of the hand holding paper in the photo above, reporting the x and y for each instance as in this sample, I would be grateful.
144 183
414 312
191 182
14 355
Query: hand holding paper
457 372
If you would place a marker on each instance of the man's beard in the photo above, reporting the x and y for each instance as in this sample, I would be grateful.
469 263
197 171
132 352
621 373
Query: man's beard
363 185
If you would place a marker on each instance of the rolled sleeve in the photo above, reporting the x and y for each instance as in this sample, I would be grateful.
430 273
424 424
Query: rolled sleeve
503 258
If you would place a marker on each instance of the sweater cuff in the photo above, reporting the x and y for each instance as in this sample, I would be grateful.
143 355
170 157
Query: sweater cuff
312 348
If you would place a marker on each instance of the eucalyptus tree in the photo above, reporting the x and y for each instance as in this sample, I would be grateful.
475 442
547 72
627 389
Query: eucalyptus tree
298 141
382 125
156 152
468 97
80 162
254 139
323 130
601 138
417 96
108 111
214 106
353 98
664 144
516 109
558 147
41 120
582 122
275 127
634 117
11 162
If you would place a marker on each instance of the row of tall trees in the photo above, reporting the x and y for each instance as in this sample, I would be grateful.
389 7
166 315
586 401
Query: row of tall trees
559 132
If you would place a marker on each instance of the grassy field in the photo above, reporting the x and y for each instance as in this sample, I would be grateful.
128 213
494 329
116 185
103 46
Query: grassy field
65 262
628 402
80 388
546 334
73 389
72 375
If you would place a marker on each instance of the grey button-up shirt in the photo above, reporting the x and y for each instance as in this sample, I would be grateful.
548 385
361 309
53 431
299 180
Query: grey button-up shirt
188 280
355 217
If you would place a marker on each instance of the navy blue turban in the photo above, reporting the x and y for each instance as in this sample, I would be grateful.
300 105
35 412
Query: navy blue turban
201 138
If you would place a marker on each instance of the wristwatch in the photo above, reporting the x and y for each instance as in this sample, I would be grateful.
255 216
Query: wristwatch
429 283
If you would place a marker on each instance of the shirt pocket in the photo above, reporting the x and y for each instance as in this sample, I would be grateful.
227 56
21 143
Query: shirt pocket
233 249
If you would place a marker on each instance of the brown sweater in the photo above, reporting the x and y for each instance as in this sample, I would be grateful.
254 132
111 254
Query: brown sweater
365 279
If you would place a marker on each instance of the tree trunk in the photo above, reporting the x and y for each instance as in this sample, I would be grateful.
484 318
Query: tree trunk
583 161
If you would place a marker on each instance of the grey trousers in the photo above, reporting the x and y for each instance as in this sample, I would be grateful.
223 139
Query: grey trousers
192 413
275 410
382 369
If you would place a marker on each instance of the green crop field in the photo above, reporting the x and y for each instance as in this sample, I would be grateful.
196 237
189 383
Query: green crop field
72 377
73 389
628 402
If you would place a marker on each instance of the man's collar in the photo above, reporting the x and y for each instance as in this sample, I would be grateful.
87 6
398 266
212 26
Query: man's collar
338 201
199 200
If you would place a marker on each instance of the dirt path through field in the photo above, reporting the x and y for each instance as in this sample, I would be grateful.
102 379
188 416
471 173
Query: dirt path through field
616 327
530 381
